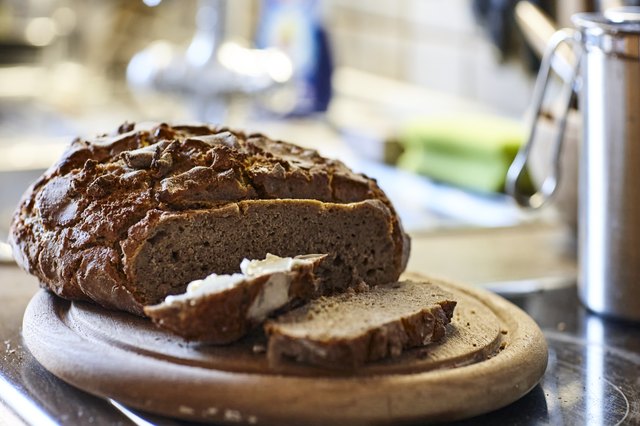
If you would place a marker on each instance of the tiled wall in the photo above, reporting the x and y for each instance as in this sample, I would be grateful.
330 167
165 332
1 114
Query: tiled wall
435 43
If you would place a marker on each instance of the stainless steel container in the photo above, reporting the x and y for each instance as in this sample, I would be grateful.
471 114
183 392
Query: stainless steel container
608 82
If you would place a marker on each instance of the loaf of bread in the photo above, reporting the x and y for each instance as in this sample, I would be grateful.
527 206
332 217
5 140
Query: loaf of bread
132 217
347 330
223 308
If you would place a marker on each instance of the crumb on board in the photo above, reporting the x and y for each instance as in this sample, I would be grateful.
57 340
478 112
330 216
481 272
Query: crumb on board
232 415
211 411
183 409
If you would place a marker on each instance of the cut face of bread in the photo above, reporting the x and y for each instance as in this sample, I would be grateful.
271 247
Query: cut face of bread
167 250
350 329
222 308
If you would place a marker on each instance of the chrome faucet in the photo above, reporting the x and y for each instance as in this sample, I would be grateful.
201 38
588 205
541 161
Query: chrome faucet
211 70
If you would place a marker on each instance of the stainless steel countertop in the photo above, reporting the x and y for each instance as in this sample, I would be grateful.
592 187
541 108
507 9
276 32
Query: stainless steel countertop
594 365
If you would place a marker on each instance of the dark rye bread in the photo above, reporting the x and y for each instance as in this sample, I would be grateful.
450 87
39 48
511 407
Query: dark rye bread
223 315
131 217
347 330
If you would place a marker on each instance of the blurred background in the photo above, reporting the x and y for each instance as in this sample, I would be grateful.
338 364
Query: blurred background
427 96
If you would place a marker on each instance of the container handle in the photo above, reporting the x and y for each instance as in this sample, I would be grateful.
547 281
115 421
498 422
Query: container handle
550 183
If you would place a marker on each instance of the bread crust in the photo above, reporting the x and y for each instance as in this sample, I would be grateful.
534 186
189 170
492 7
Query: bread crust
78 228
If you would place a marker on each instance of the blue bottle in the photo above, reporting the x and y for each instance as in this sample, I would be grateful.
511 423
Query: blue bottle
295 27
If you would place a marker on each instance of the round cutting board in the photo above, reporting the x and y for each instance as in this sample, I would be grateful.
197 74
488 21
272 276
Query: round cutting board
493 354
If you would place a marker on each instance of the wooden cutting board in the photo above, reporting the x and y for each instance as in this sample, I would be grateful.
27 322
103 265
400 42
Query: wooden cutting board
493 354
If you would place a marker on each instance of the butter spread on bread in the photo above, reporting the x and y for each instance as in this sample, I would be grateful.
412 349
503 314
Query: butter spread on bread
223 308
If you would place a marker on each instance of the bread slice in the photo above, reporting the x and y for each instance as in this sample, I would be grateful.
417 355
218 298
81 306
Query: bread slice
220 309
350 329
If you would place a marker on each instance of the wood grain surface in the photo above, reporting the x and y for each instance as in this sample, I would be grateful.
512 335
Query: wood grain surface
493 354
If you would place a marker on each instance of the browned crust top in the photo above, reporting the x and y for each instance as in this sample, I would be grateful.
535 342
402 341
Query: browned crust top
72 223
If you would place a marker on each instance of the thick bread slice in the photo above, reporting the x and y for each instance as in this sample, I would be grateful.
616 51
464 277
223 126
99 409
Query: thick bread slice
222 309
350 329
128 218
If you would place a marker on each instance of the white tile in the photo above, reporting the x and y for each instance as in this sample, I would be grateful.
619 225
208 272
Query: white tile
391 8
376 53
343 45
449 15
439 66
507 86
